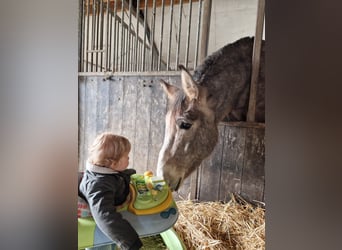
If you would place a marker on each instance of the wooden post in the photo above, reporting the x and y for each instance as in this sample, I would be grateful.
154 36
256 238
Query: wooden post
256 60
203 51
205 30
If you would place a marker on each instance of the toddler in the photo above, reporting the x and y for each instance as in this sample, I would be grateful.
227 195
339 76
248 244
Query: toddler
105 185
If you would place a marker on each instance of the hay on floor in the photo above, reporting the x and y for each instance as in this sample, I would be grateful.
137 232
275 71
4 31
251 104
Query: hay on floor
216 225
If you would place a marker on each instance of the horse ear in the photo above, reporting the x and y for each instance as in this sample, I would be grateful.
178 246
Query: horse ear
189 85
169 89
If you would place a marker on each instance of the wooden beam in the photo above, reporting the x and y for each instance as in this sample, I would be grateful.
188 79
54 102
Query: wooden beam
205 30
256 60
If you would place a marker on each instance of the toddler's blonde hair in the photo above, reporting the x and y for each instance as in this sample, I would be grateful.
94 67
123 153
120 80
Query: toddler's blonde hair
108 148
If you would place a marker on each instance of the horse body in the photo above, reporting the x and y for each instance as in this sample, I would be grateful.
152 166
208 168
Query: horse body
218 89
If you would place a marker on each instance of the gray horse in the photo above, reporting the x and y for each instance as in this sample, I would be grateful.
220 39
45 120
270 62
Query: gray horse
218 90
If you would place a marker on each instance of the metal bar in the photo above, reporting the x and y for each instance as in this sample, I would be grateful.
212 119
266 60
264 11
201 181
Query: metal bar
133 52
188 35
137 36
205 30
122 37
81 22
107 37
87 36
169 44
256 60
109 44
101 34
144 49
92 38
95 37
115 39
179 32
152 33
123 47
141 57
138 58
129 36
161 34
198 33
126 47
118 66
97 34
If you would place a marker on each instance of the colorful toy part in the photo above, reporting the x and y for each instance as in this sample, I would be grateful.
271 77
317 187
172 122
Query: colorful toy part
150 195
151 210
89 235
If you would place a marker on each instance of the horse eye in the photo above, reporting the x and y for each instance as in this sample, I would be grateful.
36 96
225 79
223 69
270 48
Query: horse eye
185 125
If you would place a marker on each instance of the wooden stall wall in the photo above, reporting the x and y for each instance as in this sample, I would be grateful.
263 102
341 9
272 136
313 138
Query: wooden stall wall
128 105
135 107
235 166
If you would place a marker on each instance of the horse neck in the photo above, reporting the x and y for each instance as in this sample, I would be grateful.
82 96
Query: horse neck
223 98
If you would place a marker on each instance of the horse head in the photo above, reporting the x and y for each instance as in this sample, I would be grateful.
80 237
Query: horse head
191 130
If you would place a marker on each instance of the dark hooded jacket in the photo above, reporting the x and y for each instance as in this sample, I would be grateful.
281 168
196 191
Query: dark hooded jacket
104 189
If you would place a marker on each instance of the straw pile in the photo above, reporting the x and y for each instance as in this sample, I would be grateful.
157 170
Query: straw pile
215 225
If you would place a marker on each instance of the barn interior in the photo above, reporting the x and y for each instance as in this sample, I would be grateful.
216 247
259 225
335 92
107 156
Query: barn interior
127 46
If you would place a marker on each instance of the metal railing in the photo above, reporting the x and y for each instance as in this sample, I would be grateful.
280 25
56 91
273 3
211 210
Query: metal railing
139 35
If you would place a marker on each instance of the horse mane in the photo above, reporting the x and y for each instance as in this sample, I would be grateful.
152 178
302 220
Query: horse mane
219 58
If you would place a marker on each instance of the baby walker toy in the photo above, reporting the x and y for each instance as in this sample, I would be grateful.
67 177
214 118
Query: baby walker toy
151 211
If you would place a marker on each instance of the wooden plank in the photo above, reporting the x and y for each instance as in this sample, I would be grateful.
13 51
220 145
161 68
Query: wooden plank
157 127
116 104
194 184
184 192
129 114
102 105
253 175
244 124
232 161
143 118
90 114
211 172
81 122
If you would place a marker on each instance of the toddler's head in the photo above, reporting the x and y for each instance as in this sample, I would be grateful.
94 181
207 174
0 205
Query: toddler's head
107 149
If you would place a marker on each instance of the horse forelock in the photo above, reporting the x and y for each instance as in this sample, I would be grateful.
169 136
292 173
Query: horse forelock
176 107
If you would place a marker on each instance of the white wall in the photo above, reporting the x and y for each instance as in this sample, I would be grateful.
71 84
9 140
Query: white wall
231 20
